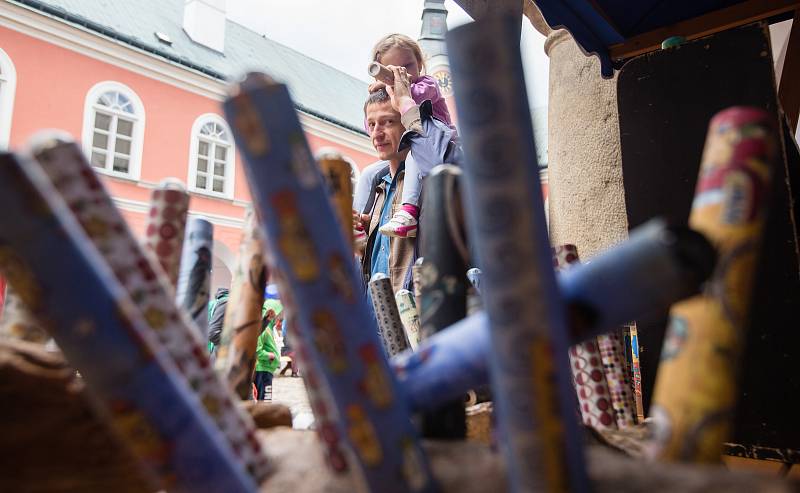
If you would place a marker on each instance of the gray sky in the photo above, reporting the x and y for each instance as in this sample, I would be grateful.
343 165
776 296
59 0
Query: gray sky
341 33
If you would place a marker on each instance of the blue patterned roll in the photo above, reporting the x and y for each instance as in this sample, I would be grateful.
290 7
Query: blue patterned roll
194 277
99 330
336 330
529 368
446 365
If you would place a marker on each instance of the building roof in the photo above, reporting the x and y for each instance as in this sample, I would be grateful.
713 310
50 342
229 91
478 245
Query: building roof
316 88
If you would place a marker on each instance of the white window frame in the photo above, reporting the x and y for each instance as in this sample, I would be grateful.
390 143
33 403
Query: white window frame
8 88
230 165
137 136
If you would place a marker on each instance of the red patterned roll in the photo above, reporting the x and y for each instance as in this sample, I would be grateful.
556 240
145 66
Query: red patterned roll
586 363
166 224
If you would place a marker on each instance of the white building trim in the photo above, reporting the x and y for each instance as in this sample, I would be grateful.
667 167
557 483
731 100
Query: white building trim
230 165
8 87
144 208
137 138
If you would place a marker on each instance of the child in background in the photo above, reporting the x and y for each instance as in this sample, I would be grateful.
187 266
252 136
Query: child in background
401 51
267 357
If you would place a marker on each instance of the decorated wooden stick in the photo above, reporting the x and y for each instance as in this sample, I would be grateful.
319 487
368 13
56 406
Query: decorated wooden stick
146 284
194 278
166 223
529 366
338 175
18 322
242 326
695 390
105 337
407 307
390 327
594 397
333 321
443 285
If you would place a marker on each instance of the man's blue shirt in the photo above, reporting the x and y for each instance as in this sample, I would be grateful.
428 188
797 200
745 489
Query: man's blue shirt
381 247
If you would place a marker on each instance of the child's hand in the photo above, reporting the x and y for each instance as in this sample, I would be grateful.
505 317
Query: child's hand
271 356
376 86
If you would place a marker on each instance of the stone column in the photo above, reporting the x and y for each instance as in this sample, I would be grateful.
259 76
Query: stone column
586 196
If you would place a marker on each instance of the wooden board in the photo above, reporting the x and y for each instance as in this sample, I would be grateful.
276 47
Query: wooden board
666 99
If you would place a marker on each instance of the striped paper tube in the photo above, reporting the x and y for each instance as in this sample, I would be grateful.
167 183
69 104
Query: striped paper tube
529 366
107 338
194 277
166 223
407 307
594 397
390 327
146 284
242 326
696 384
333 320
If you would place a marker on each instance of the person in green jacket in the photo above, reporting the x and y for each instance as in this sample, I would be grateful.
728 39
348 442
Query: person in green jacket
267 356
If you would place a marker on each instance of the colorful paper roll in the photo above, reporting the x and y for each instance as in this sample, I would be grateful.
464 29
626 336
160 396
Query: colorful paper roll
236 358
334 326
612 354
594 397
636 371
407 308
339 177
446 365
17 322
443 285
165 226
696 385
390 327
529 366
103 335
194 277
147 286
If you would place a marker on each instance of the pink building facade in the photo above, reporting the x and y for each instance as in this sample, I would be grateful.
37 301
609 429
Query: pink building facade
140 119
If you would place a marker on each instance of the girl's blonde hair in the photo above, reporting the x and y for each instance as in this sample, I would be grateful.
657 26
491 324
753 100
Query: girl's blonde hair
390 41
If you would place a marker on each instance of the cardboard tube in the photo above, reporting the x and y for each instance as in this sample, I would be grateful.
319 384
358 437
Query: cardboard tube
242 326
194 278
334 326
390 327
146 284
165 225
381 73
339 176
529 367
696 385
107 338
407 308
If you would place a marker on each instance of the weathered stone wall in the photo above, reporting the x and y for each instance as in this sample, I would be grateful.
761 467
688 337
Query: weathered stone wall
587 199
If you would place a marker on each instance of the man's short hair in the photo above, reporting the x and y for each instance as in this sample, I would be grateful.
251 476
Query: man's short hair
377 97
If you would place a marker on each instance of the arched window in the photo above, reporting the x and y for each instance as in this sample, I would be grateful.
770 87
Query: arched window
8 84
211 156
113 129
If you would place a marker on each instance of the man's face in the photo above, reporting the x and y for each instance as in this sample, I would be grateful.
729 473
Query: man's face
385 130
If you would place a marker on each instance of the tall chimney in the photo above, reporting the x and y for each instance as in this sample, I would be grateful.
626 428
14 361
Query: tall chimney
204 22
